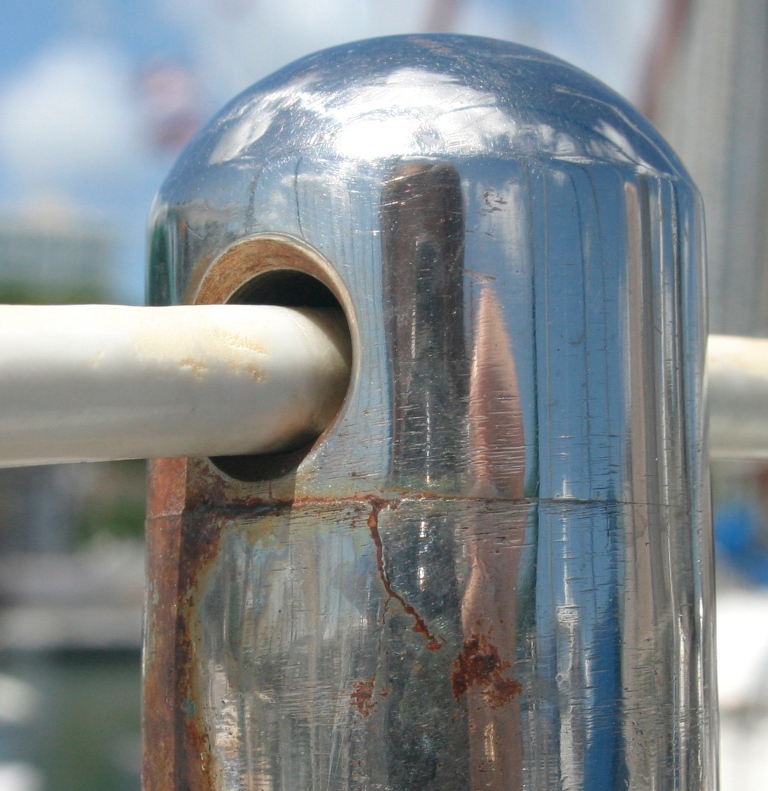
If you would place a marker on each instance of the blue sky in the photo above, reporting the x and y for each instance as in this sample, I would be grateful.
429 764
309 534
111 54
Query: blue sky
67 141
79 126
137 25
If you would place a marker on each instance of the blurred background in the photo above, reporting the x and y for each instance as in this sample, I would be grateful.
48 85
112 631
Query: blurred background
97 97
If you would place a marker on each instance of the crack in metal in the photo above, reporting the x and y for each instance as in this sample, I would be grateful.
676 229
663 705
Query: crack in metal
420 625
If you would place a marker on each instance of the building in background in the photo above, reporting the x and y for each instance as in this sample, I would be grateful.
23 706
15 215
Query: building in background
55 255
50 255
70 607
707 91
708 94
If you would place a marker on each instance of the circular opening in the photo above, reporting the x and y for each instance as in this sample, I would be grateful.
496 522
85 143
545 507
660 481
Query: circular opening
287 288
279 272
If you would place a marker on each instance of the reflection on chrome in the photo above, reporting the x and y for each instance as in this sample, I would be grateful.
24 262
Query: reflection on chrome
494 570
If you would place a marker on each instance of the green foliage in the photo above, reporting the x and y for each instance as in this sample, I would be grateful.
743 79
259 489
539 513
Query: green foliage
40 294
116 505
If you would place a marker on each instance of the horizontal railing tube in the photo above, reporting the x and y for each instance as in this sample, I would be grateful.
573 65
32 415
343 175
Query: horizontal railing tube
97 382
737 387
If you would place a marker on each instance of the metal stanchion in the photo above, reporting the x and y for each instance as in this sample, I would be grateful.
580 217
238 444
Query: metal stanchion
494 569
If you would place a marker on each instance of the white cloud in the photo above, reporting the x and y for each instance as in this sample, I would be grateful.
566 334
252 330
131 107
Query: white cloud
69 114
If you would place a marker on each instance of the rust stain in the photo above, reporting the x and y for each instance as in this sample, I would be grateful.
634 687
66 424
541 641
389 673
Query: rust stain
198 368
160 671
246 259
199 544
210 489
420 625
251 370
362 697
186 517
241 342
479 664
166 487
165 505
180 542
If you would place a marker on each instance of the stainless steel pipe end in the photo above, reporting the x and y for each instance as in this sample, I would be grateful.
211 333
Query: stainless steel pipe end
494 569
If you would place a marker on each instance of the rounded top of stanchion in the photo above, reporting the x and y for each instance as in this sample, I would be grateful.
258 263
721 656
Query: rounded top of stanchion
430 96
495 224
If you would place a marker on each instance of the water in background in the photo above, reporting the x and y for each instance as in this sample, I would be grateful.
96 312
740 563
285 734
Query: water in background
70 721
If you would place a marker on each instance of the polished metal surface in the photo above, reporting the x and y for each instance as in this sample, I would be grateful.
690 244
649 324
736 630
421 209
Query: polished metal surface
494 569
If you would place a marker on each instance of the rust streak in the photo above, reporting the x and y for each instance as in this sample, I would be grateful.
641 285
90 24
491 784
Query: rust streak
420 625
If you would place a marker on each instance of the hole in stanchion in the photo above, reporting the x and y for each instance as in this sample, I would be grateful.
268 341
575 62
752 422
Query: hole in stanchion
285 288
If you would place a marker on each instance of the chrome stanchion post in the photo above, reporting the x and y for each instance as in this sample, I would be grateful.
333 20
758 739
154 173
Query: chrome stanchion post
493 570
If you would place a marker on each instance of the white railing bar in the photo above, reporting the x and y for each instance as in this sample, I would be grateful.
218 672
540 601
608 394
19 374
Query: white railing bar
96 382
737 388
